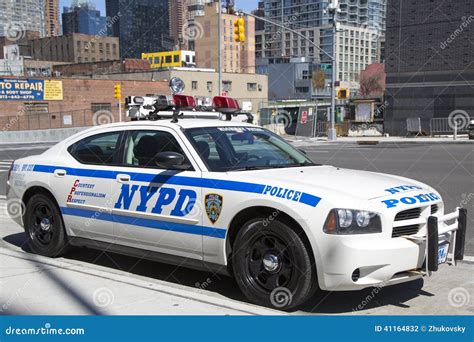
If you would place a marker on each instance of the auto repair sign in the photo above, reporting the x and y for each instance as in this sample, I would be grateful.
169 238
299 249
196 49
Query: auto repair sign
25 89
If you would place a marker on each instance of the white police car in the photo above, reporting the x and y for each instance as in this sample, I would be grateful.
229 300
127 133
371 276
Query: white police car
233 197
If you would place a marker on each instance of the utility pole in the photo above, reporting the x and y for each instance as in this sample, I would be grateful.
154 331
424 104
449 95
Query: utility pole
333 9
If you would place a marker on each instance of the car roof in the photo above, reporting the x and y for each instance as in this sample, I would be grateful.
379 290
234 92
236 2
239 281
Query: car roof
183 123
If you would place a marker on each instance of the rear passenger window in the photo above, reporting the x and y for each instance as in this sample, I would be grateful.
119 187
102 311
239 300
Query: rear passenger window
101 149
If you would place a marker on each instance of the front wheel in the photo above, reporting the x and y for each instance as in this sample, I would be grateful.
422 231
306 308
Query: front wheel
44 227
272 265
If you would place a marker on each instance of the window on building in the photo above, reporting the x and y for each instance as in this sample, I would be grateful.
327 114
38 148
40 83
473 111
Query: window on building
252 86
302 89
209 86
36 108
226 85
194 85
95 107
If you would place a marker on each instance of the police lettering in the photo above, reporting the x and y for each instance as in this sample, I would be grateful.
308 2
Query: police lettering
422 198
276 191
402 188
164 197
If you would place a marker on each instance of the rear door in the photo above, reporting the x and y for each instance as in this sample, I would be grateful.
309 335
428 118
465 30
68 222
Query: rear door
86 204
158 208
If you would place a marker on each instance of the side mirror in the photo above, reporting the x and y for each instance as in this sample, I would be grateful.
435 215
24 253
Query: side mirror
169 159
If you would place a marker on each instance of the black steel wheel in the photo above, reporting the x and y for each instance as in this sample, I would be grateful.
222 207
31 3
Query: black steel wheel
273 265
44 226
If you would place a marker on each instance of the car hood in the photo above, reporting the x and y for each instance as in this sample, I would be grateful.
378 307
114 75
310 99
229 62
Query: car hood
363 185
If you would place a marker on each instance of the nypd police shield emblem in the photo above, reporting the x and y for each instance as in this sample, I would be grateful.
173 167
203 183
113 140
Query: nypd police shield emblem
213 204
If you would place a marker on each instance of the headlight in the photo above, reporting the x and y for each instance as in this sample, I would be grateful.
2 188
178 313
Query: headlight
348 221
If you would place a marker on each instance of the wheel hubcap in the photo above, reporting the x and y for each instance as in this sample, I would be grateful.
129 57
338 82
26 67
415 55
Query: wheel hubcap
45 224
271 262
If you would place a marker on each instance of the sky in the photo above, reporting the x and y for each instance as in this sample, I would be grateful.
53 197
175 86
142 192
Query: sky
100 4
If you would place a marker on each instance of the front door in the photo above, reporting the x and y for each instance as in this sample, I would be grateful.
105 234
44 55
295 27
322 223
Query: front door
158 208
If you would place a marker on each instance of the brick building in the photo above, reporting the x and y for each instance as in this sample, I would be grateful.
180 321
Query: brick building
81 100
105 67
76 48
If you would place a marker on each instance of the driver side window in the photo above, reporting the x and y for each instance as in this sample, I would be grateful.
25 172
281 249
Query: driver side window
142 147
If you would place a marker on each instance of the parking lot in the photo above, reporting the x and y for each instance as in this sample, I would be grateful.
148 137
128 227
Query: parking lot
138 286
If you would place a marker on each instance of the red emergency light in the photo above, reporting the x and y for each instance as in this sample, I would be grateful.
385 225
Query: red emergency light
226 105
184 101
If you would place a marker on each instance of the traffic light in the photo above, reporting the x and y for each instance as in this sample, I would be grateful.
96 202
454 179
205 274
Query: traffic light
343 94
118 91
239 30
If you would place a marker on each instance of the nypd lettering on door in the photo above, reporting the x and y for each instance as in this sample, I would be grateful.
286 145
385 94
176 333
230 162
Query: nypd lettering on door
155 199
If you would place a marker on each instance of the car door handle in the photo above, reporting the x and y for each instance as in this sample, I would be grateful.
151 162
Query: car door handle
60 173
123 178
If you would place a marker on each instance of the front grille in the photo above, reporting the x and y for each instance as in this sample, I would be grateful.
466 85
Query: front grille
408 214
434 209
405 230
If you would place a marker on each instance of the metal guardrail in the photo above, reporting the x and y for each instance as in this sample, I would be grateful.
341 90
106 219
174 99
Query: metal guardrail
446 126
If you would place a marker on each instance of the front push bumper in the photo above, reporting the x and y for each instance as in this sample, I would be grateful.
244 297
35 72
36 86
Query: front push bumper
356 263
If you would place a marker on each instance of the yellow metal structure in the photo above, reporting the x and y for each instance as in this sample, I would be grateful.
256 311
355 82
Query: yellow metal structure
118 91
239 30
167 59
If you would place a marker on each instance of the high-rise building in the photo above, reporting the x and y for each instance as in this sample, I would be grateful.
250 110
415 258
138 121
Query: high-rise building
21 15
429 61
178 10
236 57
84 18
141 25
51 17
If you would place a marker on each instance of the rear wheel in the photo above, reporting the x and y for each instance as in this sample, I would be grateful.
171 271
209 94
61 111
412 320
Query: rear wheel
44 226
273 265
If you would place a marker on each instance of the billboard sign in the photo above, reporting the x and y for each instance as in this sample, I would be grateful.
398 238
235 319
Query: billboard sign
30 90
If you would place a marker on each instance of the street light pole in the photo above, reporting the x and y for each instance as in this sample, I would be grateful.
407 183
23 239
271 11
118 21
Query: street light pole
332 58
219 47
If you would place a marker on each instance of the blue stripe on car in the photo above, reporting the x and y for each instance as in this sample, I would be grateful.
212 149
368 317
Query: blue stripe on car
168 177
147 223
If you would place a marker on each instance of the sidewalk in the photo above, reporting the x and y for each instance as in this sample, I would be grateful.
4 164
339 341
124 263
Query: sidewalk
462 139
35 285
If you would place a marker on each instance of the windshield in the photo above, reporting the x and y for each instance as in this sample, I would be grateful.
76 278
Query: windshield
244 148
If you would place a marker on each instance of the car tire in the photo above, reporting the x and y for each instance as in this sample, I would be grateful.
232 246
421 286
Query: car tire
44 227
272 265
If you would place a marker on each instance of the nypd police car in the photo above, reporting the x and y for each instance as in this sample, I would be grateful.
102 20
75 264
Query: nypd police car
232 197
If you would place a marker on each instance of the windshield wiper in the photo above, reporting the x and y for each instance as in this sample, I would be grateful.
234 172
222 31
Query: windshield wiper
250 168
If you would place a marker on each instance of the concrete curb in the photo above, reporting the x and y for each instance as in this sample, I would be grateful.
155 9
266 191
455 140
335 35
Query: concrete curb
140 282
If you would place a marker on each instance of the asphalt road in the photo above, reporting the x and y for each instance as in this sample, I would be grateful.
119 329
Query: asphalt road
448 168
